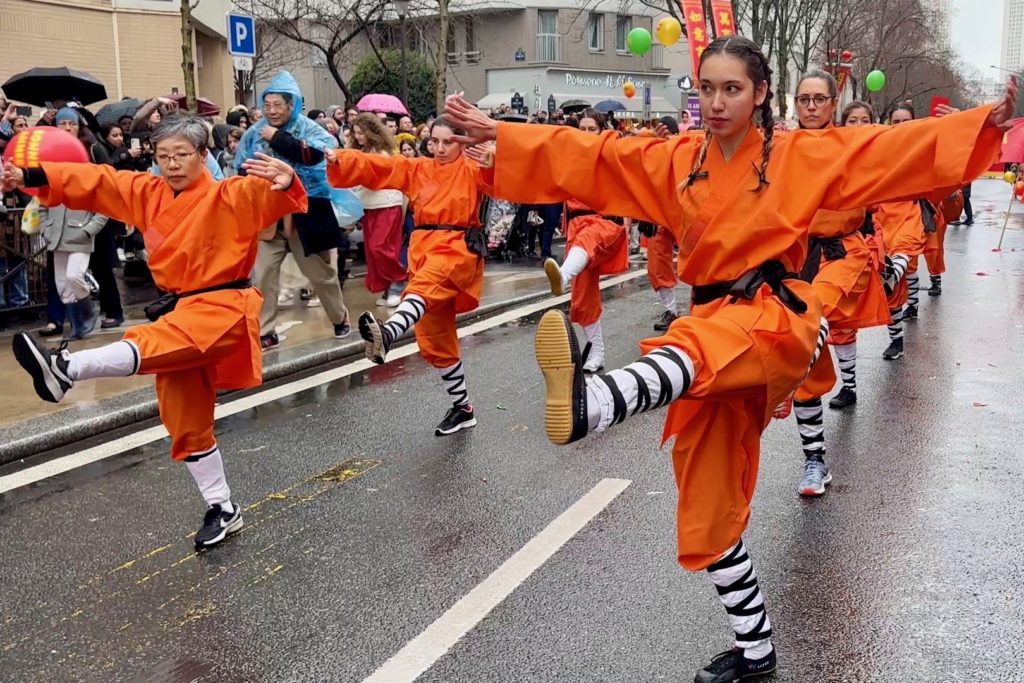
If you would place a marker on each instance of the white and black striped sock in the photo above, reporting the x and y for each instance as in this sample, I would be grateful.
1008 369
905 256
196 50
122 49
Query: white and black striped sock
454 378
896 326
810 422
897 268
819 346
406 315
936 280
847 355
654 381
913 290
736 583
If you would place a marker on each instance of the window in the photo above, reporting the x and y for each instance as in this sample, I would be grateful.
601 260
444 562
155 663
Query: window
472 53
452 47
623 25
547 35
595 32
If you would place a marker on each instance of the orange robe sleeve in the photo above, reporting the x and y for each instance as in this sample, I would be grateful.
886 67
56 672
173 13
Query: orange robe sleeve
634 177
375 172
870 164
121 195
256 205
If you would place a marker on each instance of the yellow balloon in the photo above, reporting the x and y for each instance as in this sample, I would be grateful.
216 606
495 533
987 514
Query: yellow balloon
628 89
1010 177
668 31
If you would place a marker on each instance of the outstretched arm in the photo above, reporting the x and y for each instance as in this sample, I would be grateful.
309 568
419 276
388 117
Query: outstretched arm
267 192
348 168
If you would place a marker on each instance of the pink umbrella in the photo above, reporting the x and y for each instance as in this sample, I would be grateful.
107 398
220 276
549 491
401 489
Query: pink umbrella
1013 144
389 104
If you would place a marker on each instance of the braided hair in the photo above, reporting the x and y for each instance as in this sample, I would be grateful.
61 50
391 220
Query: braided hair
759 72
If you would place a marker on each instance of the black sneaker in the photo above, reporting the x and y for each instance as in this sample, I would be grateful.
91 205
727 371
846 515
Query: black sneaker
844 399
270 341
218 525
731 666
457 418
48 367
935 289
894 351
51 330
558 355
372 332
343 330
910 313
667 318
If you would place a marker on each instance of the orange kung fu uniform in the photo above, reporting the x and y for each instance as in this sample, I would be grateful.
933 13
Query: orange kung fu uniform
443 271
935 249
661 270
748 354
202 237
607 254
899 227
849 287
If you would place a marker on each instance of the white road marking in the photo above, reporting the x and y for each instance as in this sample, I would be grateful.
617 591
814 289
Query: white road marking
421 652
65 463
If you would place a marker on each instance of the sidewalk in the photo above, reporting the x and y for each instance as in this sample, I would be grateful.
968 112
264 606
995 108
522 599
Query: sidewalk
29 426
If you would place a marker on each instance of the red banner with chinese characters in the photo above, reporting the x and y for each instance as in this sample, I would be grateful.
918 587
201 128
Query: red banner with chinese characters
696 30
721 11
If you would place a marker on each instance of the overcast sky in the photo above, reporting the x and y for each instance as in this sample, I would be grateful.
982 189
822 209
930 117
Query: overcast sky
977 33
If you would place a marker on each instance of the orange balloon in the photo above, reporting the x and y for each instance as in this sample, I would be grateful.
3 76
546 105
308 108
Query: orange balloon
31 147
628 89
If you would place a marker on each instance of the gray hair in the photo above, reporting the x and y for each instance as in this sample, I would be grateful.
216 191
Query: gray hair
188 126
818 74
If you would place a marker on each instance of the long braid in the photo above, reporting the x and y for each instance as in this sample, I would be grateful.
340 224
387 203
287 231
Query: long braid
698 162
767 125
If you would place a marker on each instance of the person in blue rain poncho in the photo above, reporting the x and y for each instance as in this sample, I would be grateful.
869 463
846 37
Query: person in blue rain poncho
312 237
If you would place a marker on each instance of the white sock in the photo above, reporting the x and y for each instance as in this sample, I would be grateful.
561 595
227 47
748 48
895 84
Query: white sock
575 261
668 299
207 468
638 387
119 359
454 378
734 578
596 338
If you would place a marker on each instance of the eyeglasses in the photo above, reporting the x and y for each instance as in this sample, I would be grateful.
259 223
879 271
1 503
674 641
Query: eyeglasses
819 100
179 158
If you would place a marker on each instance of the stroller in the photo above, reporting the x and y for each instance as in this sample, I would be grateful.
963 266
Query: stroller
505 225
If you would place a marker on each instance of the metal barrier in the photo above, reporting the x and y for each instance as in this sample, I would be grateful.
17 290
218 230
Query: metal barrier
22 261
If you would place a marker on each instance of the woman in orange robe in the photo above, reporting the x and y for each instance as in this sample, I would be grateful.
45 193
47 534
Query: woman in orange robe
661 271
595 245
202 238
844 273
446 255
739 205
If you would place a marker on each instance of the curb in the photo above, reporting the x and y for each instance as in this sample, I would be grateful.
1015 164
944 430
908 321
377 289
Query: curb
145 407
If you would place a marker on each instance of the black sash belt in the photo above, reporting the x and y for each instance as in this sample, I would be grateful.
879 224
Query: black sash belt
868 226
771 273
475 240
166 303
830 247
586 212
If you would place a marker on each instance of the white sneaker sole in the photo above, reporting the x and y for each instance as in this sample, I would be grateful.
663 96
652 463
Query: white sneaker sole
809 492
459 428
233 528
373 336
46 384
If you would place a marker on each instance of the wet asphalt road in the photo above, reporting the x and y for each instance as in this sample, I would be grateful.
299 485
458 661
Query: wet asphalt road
366 528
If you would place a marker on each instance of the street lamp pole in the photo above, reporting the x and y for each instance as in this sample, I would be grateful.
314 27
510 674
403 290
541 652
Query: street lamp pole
402 7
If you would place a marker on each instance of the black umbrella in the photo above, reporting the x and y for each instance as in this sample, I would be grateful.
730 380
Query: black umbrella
574 104
40 85
608 106
115 111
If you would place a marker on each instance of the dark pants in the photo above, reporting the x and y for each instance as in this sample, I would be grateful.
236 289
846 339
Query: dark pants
101 263
552 215
54 306
968 209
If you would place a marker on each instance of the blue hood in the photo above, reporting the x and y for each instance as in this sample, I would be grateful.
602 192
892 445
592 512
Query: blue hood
314 178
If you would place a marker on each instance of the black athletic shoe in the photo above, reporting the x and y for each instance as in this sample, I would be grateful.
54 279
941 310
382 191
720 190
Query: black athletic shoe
372 332
935 289
558 355
894 351
910 313
666 319
844 399
218 525
457 418
48 367
270 341
731 666
343 330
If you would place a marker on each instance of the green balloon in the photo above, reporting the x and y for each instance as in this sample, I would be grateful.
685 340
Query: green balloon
875 80
639 41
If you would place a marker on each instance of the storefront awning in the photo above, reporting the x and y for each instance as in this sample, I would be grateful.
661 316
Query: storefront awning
495 99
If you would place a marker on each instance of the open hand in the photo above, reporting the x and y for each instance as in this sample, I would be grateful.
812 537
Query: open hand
267 167
482 154
478 126
1002 112
944 110
12 178
331 156
11 113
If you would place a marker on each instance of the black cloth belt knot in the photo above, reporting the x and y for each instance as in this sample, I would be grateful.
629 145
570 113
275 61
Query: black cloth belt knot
476 242
771 273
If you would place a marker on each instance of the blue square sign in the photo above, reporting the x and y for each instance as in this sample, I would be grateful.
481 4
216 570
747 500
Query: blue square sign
241 35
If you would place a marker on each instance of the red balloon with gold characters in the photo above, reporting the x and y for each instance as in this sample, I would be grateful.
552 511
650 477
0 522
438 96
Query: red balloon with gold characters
32 146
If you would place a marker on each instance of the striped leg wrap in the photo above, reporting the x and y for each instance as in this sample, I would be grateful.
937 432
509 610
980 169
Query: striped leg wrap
896 269
406 315
896 326
936 280
736 582
652 382
454 379
913 290
847 355
811 425
820 344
